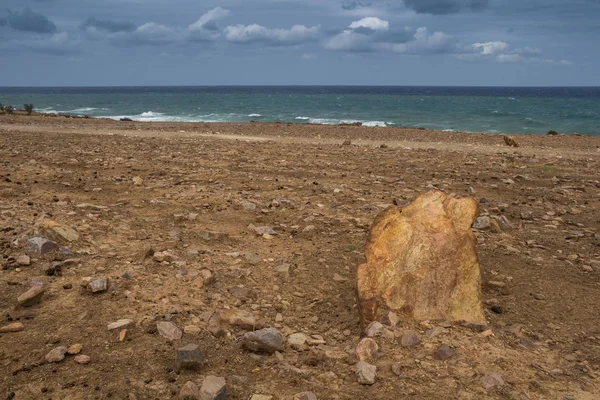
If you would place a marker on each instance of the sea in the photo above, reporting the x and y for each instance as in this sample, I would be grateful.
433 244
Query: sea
514 110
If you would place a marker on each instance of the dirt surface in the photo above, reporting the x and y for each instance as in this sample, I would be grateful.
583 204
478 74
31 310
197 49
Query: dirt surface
130 189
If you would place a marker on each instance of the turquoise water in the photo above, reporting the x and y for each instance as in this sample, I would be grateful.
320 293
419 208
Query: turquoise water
477 109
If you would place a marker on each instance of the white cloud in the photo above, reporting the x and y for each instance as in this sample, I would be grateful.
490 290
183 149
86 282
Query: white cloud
373 23
258 33
489 48
206 27
502 52
153 33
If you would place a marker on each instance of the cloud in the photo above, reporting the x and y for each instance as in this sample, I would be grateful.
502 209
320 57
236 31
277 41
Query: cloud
59 44
442 7
279 37
3 22
108 25
502 52
30 21
153 34
374 35
206 28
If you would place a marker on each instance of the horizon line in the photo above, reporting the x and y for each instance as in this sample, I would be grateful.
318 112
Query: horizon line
293 85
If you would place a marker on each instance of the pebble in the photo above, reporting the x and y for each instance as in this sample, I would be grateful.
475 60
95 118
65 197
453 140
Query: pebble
24 260
491 380
267 340
305 396
189 391
189 357
82 359
283 271
409 339
261 397
366 349
482 223
31 297
122 323
56 355
497 284
366 373
297 341
75 349
11 328
213 388
444 352
169 330
261 230
374 329
98 285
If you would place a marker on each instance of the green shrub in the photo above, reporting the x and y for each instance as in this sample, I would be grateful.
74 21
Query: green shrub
1 109
28 108
552 133
9 109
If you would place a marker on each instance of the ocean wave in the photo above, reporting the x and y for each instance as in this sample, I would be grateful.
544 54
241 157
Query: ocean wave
83 109
303 118
334 121
151 114
254 115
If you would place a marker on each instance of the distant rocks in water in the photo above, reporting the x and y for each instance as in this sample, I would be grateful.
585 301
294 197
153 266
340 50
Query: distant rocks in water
126 119
552 133
421 262
510 141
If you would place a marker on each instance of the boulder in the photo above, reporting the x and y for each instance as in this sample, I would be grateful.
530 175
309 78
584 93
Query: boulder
32 296
39 246
267 340
56 231
421 262
213 388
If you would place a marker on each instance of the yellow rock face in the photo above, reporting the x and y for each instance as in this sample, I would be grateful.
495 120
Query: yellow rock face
56 231
421 262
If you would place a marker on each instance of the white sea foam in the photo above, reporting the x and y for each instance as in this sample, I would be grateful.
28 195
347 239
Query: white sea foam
83 109
303 118
448 130
151 114
254 115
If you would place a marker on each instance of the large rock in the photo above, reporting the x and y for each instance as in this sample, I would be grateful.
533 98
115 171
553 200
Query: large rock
213 388
39 246
421 262
267 340
32 296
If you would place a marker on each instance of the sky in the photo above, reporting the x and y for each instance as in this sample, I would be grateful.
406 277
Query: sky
300 42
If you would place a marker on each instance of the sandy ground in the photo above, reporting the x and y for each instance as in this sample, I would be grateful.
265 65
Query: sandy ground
131 188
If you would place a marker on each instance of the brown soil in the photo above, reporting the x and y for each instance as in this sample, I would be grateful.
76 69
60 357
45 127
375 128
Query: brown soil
545 339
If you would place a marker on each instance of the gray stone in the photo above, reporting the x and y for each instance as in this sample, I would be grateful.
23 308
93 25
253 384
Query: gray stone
409 339
261 397
249 206
482 223
366 373
189 391
122 323
189 357
24 260
213 388
56 355
491 380
169 330
366 349
283 271
444 352
374 329
298 341
39 246
267 340
261 230
32 296
98 285
252 258
213 235
305 396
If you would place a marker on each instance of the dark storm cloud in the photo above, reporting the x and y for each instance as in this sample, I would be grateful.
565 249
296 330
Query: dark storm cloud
30 21
109 26
3 22
441 7
435 7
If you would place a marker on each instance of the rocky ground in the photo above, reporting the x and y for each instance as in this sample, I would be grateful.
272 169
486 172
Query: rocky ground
196 234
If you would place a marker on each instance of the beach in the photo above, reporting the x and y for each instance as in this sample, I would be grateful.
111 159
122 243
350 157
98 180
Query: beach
167 213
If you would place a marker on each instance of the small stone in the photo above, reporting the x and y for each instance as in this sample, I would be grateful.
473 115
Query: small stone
39 246
137 181
192 330
267 340
366 373
367 349
491 380
346 142
261 230
98 285
249 206
339 278
56 355
213 235
444 352
122 335
208 278
279 317
24 260
213 388
261 397
189 391
482 223
11 328
67 286
283 271
409 339
122 323
497 284
32 296
82 359
587 268
538 296
189 357
164 256
297 341
374 329
75 349
169 330
305 396
238 318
